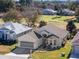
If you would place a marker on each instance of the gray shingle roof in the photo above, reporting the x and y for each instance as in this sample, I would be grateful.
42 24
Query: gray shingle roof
30 37
16 27
61 33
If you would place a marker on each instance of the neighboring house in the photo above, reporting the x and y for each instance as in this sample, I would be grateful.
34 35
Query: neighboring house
49 11
7 35
75 44
25 36
67 12
55 37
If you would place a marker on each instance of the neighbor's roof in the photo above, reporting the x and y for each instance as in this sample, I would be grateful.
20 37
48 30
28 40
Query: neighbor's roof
29 37
75 40
16 27
61 33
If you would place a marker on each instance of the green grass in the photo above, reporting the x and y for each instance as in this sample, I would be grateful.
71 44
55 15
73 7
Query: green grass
1 21
60 21
51 18
12 47
53 54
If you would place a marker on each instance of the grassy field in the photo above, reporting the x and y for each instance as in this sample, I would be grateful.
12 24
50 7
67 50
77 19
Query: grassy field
49 18
54 54
60 21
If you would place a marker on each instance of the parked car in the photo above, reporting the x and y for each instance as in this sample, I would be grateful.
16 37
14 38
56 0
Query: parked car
66 12
49 12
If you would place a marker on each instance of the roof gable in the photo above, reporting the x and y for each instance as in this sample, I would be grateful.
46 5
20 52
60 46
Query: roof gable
61 33
30 37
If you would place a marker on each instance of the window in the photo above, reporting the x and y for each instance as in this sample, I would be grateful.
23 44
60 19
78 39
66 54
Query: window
0 35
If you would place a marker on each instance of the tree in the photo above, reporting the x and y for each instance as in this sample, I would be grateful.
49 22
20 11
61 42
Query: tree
72 5
25 2
71 28
12 15
77 13
31 14
5 5
42 23
34 19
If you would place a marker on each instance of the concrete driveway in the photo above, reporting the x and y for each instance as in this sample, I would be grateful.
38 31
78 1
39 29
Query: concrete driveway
18 53
21 51
11 57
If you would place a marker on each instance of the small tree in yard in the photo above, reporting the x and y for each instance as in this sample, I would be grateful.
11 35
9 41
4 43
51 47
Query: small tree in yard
77 14
71 28
12 15
34 19
42 23
32 15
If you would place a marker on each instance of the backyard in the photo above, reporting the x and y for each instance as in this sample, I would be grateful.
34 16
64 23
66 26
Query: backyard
60 21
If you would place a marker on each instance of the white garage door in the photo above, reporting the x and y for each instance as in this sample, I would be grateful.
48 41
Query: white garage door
27 45
76 49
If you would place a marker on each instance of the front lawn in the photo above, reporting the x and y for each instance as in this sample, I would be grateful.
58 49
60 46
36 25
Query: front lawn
53 54
6 49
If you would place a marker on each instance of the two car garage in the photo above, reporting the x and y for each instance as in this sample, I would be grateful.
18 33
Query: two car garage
27 44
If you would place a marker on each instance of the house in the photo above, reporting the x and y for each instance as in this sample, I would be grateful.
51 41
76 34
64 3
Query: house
49 11
25 36
67 12
75 47
55 36
75 44
5 36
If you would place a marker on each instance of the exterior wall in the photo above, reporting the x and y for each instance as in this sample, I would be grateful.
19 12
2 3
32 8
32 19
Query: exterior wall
59 41
62 41
51 40
37 43
18 43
